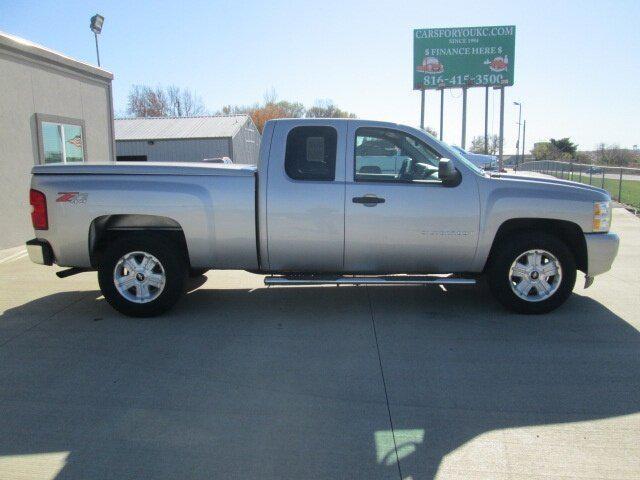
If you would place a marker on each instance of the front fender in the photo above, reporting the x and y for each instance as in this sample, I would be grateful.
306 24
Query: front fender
504 199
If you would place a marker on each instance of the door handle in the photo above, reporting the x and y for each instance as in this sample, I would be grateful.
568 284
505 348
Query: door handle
368 200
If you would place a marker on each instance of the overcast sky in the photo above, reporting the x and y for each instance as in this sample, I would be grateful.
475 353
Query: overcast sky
575 69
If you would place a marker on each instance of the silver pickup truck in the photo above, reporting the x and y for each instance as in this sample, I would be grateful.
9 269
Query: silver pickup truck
331 202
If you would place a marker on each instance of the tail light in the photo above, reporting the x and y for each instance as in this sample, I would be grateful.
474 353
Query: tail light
38 202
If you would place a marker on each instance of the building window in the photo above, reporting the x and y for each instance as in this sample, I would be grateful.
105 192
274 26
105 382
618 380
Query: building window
311 153
61 140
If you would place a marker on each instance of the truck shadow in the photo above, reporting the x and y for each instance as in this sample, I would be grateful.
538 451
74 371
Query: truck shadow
473 368
157 398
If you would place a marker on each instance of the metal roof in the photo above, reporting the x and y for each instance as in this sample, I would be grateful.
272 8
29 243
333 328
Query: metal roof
166 128
38 52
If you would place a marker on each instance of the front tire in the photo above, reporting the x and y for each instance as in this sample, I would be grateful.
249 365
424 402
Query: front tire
142 275
532 273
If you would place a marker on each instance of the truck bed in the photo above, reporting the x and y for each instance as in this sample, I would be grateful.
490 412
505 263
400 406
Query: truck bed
212 204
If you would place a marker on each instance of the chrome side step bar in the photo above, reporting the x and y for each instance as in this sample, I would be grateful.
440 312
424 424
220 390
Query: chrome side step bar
367 280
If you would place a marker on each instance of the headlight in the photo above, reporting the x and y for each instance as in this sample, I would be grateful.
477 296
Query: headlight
601 216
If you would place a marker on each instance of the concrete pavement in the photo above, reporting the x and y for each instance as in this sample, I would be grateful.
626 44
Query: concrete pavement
241 381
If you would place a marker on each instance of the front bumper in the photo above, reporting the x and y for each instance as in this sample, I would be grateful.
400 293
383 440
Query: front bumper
602 248
40 252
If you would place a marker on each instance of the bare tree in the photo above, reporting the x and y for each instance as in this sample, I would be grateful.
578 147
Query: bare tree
184 102
136 104
175 102
614 155
270 96
145 101
193 104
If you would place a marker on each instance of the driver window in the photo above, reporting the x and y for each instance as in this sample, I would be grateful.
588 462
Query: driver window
384 155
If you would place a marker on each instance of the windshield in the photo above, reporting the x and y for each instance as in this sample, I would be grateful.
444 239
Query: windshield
457 154
462 158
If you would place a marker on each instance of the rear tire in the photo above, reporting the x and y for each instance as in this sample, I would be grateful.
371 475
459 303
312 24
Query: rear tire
532 273
142 274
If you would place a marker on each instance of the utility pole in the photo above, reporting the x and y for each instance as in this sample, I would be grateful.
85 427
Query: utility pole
519 123
524 133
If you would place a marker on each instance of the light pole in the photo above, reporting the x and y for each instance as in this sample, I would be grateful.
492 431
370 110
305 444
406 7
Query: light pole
519 123
524 135
96 27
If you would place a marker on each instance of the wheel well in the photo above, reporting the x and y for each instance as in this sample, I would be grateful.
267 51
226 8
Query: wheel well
107 228
570 233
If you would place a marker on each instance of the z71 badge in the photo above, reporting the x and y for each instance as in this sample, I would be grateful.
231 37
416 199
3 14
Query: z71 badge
72 197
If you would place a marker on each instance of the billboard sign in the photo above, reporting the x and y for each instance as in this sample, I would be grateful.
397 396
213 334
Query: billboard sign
464 56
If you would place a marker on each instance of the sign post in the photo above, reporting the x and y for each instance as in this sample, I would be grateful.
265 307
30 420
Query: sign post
464 118
464 57
500 162
422 100
441 111
486 120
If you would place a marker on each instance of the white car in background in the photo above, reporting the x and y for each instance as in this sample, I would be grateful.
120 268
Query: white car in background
486 162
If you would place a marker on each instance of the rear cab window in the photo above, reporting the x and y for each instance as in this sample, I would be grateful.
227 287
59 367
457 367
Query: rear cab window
311 153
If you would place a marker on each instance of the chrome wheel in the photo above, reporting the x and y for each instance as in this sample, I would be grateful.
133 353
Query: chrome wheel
535 275
139 277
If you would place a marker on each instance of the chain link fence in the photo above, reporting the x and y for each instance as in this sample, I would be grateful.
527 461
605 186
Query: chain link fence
622 183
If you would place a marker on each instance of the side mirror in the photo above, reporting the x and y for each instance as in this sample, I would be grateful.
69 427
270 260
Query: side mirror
447 173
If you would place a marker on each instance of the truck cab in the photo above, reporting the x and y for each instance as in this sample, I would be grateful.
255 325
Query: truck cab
356 196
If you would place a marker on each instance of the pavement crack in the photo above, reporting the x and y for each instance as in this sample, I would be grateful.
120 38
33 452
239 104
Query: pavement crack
384 382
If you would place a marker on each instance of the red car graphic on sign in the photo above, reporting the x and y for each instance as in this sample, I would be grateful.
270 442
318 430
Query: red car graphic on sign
498 64
430 65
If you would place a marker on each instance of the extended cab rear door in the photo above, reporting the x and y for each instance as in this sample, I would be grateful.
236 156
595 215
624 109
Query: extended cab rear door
305 196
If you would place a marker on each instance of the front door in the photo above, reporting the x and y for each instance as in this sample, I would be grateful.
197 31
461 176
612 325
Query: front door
399 217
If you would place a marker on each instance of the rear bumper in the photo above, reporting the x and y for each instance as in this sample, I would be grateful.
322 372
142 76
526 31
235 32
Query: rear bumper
40 252
602 248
